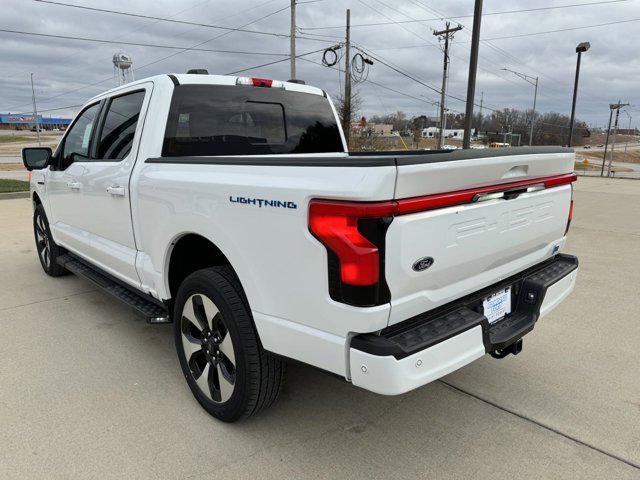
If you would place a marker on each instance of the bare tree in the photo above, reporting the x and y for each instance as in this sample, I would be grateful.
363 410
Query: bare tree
356 106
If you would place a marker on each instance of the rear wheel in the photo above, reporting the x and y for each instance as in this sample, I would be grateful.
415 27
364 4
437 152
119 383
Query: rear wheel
48 250
226 368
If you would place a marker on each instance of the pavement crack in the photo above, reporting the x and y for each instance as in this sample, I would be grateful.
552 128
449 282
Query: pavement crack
612 455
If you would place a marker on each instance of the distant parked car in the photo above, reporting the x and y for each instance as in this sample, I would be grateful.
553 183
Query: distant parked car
450 147
600 145
587 147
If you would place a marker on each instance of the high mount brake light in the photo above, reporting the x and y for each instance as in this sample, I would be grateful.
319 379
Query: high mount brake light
354 235
259 82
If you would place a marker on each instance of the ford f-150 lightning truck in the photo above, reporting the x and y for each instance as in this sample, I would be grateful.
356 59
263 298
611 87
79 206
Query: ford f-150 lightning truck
231 207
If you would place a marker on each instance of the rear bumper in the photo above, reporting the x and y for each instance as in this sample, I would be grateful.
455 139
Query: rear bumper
429 346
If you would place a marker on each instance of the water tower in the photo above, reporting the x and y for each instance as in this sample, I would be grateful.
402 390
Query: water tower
122 71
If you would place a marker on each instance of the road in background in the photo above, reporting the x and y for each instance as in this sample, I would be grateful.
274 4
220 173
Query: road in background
88 390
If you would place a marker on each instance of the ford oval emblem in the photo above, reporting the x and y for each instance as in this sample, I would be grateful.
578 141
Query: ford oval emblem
423 264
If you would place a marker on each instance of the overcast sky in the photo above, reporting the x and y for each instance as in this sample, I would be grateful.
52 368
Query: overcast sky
68 72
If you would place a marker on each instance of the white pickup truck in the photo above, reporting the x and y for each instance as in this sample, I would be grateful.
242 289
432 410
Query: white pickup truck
231 207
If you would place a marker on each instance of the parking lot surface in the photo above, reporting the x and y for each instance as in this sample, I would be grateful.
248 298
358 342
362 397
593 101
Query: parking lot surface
87 390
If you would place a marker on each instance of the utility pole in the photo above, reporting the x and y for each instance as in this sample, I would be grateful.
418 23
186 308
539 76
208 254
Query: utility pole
473 68
533 114
35 110
292 45
606 143
532 81
447 33
615 132
612 107
346 120
626 142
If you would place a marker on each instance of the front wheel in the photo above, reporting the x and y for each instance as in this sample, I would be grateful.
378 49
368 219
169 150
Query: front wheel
226 368
48 250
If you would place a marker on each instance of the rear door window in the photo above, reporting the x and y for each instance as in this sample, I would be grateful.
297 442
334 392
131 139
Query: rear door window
211 120
119 126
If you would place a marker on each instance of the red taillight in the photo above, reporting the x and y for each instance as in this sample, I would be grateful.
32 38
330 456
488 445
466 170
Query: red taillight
29 175
571 211
335 224
570 216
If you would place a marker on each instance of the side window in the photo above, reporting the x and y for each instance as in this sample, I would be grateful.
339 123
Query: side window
76 143
121 119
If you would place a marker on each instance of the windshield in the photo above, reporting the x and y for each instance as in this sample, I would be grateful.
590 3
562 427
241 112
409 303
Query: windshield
237 120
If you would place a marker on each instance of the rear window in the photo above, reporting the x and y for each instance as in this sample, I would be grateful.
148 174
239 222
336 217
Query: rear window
238 120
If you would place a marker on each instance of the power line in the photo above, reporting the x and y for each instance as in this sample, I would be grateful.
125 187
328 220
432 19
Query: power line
168 56
151 45
165 19
497 49
137 30
562 30
254 67
423 38
429 102
505 12
274 62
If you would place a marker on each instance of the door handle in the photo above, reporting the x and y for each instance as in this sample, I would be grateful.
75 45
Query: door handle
116 190
73 185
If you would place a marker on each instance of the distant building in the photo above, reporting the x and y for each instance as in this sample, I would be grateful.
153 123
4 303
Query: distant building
363 128
381 129
21 121
433 132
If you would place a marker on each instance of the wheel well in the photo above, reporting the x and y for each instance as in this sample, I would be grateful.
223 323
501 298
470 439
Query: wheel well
190 253
36 200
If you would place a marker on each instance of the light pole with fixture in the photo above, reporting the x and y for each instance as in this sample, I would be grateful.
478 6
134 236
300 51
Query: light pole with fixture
534 82
582 47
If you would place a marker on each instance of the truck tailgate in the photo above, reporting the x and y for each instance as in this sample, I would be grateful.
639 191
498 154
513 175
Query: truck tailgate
474 244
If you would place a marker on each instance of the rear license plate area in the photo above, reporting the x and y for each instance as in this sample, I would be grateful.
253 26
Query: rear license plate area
497 305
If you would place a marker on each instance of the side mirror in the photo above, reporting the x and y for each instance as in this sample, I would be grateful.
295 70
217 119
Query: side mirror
36 158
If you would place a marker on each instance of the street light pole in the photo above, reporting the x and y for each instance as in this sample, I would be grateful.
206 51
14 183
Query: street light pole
533 81
582 47
35 110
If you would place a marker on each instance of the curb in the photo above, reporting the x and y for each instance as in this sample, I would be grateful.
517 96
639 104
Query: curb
12 195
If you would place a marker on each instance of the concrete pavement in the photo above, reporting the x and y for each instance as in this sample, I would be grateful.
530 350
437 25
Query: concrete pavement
14 174
87 390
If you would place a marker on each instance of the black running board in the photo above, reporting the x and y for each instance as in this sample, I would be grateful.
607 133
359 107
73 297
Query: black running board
148 307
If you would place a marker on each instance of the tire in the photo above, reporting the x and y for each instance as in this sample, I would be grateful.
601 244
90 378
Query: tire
48 251
227 370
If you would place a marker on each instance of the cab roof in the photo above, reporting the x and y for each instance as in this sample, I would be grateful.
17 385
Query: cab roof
200 79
